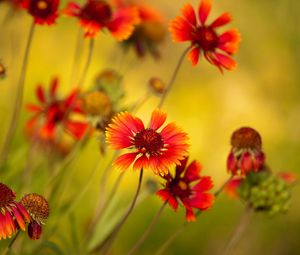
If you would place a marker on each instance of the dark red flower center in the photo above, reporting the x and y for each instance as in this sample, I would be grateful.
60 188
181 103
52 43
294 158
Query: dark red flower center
148 141
97 11
179 188
6 195
246 137
57 112
206 38
41 8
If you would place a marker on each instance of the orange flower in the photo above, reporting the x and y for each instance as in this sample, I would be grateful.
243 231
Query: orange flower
189 187
96 15
153 149
204 38
43 11
12 214
54 112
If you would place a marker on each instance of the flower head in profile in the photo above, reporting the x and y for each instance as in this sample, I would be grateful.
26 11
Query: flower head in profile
53 112
97 15
13 216
149 32
246 154
188 187
43 11
150 148
38 208
216 48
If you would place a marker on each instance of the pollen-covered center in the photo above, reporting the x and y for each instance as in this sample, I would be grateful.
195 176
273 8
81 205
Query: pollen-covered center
98 11
206 38
179 188
37 206
40 8
148 141
6 195
246 137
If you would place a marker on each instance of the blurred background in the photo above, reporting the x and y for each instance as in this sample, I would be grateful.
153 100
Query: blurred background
263 93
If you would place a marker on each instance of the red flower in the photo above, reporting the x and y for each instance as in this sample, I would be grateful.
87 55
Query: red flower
246 154
149 32
43 11
204 38
96 15
189 187
157 150
12 214
232 186
53 112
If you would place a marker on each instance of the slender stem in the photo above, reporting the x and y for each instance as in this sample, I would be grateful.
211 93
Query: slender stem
19 100
87 63
238 231
76 56
106 244
173 77
10 244
148 230
175 234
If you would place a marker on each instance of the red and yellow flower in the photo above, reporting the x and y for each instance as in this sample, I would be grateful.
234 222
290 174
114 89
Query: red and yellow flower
216 49
189 187
13 216
43 11
53 113
246 154
96 15
151 148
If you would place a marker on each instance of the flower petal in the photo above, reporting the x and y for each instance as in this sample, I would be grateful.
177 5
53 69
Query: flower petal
193 171
226 61
189 13
157 119
204 10
181 30
222 20
124 161
76 128
193 56
204 184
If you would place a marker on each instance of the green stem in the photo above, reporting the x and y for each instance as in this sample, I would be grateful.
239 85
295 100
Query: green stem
238 231
88 62
106 244
148 231
11 244
19 101
173 77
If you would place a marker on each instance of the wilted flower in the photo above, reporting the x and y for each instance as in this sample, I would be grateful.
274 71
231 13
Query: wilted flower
149 32
54 112
43 11
246 154
38 208
153 149
97 15
189 187
204 39
12 214
157 85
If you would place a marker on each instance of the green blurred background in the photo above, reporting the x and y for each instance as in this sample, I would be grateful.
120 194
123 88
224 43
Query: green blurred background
263 92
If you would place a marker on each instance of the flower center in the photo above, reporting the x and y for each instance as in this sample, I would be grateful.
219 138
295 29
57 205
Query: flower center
40 8
148 141
246 137
97 11
57 112
206 38
179 188
182 185
6 195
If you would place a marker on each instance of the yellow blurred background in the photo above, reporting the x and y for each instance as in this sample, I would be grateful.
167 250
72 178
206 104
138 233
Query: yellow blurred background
263 92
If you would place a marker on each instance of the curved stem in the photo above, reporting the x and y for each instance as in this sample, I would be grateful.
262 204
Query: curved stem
148 230
175 234
76 56
106 244
87 63
19 100
10 244
238 231
173 77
